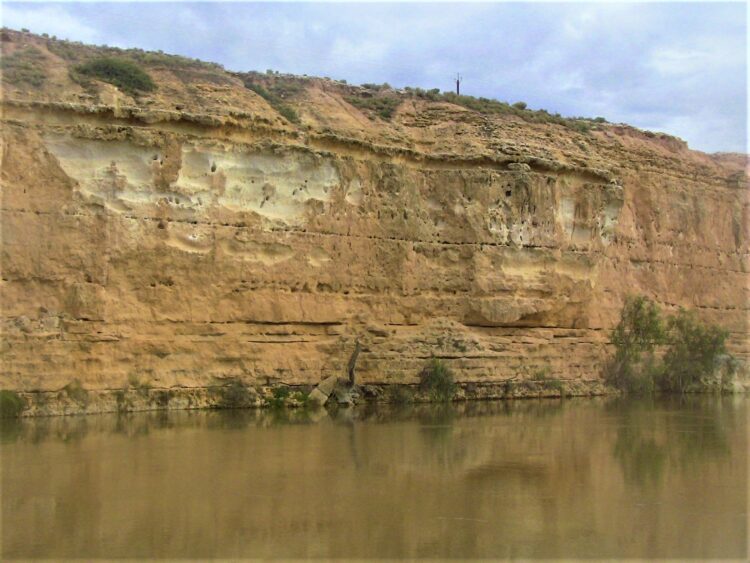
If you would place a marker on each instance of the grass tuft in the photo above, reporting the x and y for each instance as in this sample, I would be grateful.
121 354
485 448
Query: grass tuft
437 379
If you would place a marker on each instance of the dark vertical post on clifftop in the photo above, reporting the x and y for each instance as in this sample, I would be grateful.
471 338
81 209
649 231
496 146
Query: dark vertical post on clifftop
353 363
458 84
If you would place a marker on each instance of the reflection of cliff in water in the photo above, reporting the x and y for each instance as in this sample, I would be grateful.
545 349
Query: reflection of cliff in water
433 417
541 479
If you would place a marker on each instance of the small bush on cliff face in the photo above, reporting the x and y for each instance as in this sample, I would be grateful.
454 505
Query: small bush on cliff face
437 379
675 355
124 74
289 114
384 106
275 96
11 404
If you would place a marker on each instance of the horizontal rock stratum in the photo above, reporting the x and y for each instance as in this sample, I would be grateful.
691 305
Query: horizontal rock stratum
193 234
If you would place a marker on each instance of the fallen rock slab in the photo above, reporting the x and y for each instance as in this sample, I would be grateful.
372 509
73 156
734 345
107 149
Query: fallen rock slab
323 390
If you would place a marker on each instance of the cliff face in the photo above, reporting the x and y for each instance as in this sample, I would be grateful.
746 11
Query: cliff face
193 234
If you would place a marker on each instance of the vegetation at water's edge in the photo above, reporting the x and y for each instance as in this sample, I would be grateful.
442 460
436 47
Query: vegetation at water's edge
122 73
285 397
11 404
400 394
234 395
437 379
278 398
676 353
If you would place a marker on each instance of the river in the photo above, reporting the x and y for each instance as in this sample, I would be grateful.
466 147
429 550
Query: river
576 478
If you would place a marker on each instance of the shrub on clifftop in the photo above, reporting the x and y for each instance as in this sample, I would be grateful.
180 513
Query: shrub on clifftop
124 74
384 106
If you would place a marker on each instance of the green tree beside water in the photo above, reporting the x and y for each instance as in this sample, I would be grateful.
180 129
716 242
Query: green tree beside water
677 353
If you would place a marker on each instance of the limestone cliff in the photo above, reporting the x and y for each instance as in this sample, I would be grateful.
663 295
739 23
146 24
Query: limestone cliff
193 234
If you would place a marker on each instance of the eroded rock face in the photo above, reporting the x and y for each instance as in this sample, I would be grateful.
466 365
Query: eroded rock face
196 179
190 251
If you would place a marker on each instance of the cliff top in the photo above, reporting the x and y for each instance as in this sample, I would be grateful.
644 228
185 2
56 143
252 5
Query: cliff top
155 87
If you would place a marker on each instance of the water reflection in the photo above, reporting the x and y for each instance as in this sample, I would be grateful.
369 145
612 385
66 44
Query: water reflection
575 478
436 419
656 433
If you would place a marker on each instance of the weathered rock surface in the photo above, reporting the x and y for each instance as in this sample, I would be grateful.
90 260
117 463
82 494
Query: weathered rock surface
194 235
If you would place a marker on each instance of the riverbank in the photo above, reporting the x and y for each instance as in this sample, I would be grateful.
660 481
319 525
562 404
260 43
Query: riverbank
76 400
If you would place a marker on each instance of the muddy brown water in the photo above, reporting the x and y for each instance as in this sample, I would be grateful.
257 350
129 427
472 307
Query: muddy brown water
572 478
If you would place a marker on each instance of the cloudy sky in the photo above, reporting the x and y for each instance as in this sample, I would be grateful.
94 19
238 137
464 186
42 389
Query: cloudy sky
674 67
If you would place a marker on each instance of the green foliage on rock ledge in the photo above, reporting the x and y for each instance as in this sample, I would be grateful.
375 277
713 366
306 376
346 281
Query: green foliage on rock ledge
437 379
676 354
122 73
